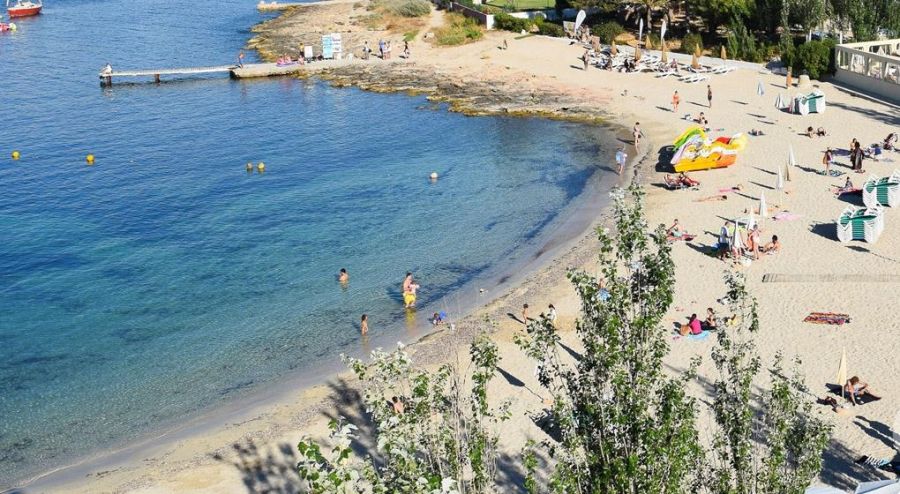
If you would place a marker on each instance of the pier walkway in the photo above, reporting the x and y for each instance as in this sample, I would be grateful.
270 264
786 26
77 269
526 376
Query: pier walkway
235 71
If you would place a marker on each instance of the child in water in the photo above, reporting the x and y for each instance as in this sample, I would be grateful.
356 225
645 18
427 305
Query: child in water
364 324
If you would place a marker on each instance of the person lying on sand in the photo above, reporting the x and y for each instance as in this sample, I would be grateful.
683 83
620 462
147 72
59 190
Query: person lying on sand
711 323
688 181
716 197
890 142
675 232
856 389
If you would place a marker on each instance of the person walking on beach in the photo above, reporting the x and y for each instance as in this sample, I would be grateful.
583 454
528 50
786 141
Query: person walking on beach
856 157
586 58
405 49
621 158
381 48
826 160
366 50
551 315
364 324
709 95
525 313
675 101
637 134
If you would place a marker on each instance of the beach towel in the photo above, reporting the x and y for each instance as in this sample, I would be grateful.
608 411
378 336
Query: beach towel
698 337
786 216
729 189
832 318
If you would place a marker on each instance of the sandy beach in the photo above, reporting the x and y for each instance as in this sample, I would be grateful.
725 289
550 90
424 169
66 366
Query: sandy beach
253 451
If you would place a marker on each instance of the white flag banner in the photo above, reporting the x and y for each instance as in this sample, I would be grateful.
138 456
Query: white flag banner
640 31
662 31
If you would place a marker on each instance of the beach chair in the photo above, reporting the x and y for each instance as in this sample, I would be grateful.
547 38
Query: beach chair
883 191
722 69
860 224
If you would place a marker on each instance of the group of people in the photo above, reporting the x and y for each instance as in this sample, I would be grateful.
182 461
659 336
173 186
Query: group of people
738 242
410 287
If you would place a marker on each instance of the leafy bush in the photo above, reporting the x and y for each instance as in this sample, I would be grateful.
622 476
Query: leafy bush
691 42
407 8
507 22
458 30
608 31
813 57
551 29
741 44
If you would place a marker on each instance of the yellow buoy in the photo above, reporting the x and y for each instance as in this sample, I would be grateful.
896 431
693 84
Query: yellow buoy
90 159
261 167
15 155
249 167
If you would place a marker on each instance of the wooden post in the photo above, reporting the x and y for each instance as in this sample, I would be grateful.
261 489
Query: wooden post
156 78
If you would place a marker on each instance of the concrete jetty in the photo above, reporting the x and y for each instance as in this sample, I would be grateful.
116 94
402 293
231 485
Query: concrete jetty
247 71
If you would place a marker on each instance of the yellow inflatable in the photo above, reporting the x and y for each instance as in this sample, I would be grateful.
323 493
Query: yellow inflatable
694 151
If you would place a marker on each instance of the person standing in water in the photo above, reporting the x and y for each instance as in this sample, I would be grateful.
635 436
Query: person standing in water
364 324
621 159
343 276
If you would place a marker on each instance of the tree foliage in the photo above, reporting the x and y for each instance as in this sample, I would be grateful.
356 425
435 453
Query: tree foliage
786 455
443 442
626 426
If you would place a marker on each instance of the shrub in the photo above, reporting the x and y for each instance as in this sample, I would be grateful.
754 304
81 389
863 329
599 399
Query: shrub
813 57
459 30
608 31
691 42
507 22
741 44
409 8
551 29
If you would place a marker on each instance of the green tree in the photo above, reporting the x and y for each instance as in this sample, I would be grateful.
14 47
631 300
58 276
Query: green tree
626 426
716 13
866 18
444 442
787 454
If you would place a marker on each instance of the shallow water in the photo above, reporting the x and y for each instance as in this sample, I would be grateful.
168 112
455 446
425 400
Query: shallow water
165 279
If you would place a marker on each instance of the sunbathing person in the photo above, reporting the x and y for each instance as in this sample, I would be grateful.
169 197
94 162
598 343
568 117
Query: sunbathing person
693 326
688 181
715 197
773 246
710 324
890 142
675 232
856 389
809 132
821 132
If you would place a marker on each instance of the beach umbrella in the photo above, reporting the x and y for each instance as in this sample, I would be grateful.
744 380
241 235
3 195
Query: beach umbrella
694 62
787 173
664 58
579 19
789 80
647 44
613 50
779 101
640 31
791 160
879 487
763 207
723 54
760 90
737 242
842 371
697 51
751 221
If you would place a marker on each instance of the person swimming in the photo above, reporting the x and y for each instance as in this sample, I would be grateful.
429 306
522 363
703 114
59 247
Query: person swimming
343 276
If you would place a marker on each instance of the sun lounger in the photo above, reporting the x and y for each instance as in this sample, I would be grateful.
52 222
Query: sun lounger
882 191
694 78
722 69
860 224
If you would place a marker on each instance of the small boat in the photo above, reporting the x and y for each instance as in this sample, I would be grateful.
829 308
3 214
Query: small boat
23 8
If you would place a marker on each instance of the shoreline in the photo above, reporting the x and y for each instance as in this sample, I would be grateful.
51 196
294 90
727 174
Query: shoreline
558 239
535 73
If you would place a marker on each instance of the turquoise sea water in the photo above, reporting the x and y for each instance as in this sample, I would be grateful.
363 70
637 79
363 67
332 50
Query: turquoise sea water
166 280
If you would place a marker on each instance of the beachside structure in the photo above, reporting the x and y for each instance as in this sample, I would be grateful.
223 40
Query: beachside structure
873 67
860 224
884 191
